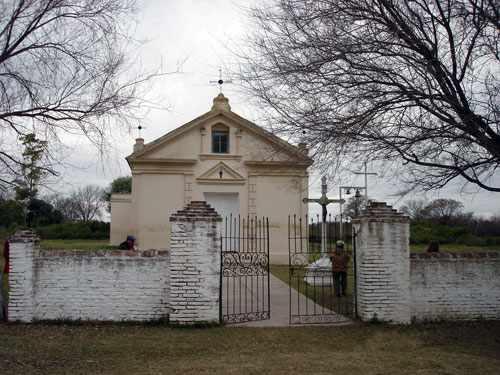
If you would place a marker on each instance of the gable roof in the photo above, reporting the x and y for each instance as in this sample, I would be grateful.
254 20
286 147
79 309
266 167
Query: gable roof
221 108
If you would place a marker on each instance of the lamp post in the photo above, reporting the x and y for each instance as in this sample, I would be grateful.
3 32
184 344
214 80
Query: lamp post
366 182
347 189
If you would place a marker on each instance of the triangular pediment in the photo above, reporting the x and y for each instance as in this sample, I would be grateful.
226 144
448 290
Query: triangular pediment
221 173
258 145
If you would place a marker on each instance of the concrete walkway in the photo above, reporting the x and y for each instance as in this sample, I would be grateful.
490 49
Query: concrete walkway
280 309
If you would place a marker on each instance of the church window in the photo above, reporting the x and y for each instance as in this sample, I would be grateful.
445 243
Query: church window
220 140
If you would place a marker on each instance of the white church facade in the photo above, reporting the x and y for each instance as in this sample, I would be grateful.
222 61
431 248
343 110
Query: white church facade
236 166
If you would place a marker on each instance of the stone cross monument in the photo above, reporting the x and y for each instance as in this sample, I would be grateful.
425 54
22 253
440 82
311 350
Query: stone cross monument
323 201
319 272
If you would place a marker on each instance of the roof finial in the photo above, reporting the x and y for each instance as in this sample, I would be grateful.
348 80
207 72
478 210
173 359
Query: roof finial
220 81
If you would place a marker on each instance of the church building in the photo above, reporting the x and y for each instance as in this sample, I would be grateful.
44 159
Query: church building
239 168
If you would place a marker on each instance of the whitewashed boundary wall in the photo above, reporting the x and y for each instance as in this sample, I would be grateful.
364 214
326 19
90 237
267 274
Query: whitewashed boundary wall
383 264
455 286
394 285
195 264
105 285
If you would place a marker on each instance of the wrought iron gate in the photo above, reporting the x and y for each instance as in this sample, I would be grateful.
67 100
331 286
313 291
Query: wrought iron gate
312 295
244 282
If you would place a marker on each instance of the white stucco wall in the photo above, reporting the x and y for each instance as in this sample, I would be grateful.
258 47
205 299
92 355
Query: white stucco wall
455 286
278 197
154 198
120 218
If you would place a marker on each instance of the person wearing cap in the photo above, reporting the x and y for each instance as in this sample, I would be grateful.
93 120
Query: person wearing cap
128 244
340 263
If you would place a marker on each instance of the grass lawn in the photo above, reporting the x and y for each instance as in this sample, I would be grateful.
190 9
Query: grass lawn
77 244
360 348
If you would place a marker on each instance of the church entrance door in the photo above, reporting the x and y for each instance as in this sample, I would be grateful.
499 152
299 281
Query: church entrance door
226 204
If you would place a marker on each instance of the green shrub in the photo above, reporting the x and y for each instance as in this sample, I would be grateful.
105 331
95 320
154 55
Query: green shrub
422 232
90 230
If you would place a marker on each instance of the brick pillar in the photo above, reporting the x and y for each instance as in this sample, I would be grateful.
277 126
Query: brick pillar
23 246
383 264
195 264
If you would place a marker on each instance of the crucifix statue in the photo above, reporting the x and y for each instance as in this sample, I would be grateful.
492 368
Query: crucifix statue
323 201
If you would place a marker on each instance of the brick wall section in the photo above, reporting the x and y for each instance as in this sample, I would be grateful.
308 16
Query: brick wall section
383 264
195 264
455 286
89 285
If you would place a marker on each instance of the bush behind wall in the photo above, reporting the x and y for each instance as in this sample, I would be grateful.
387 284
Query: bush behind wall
422 232
88 230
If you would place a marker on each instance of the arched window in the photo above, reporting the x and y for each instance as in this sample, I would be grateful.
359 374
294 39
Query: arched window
220 139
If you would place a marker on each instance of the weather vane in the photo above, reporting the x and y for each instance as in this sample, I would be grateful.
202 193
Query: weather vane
220 81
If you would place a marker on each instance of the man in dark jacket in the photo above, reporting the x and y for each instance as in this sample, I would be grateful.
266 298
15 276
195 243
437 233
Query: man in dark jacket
340 263
128 244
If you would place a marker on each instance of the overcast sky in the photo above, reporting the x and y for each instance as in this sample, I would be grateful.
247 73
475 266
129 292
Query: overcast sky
197 31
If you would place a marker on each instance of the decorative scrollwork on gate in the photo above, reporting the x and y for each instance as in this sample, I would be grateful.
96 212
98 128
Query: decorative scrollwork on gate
245 271
244 264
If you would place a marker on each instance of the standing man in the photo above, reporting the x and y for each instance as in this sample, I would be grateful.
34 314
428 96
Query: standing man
340 263
128 244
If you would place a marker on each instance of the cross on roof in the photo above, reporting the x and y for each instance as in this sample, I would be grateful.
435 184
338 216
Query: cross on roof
220 81
140 128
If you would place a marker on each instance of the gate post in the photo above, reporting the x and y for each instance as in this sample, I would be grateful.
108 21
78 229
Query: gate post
23 245
383 264
195 264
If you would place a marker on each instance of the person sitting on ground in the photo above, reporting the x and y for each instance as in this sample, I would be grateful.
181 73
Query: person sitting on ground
433 247
340 263
128 244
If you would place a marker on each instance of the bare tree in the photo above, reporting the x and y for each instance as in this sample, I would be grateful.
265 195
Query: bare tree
66 69
354 206
64 205
415 209
87 202
413 83
442 211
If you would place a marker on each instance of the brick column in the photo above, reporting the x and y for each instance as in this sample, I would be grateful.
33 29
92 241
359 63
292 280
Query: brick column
195 264
23 245
383 264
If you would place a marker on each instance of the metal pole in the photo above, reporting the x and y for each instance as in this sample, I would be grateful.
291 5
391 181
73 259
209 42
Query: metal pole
340 203
268 269
354 238
366 186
